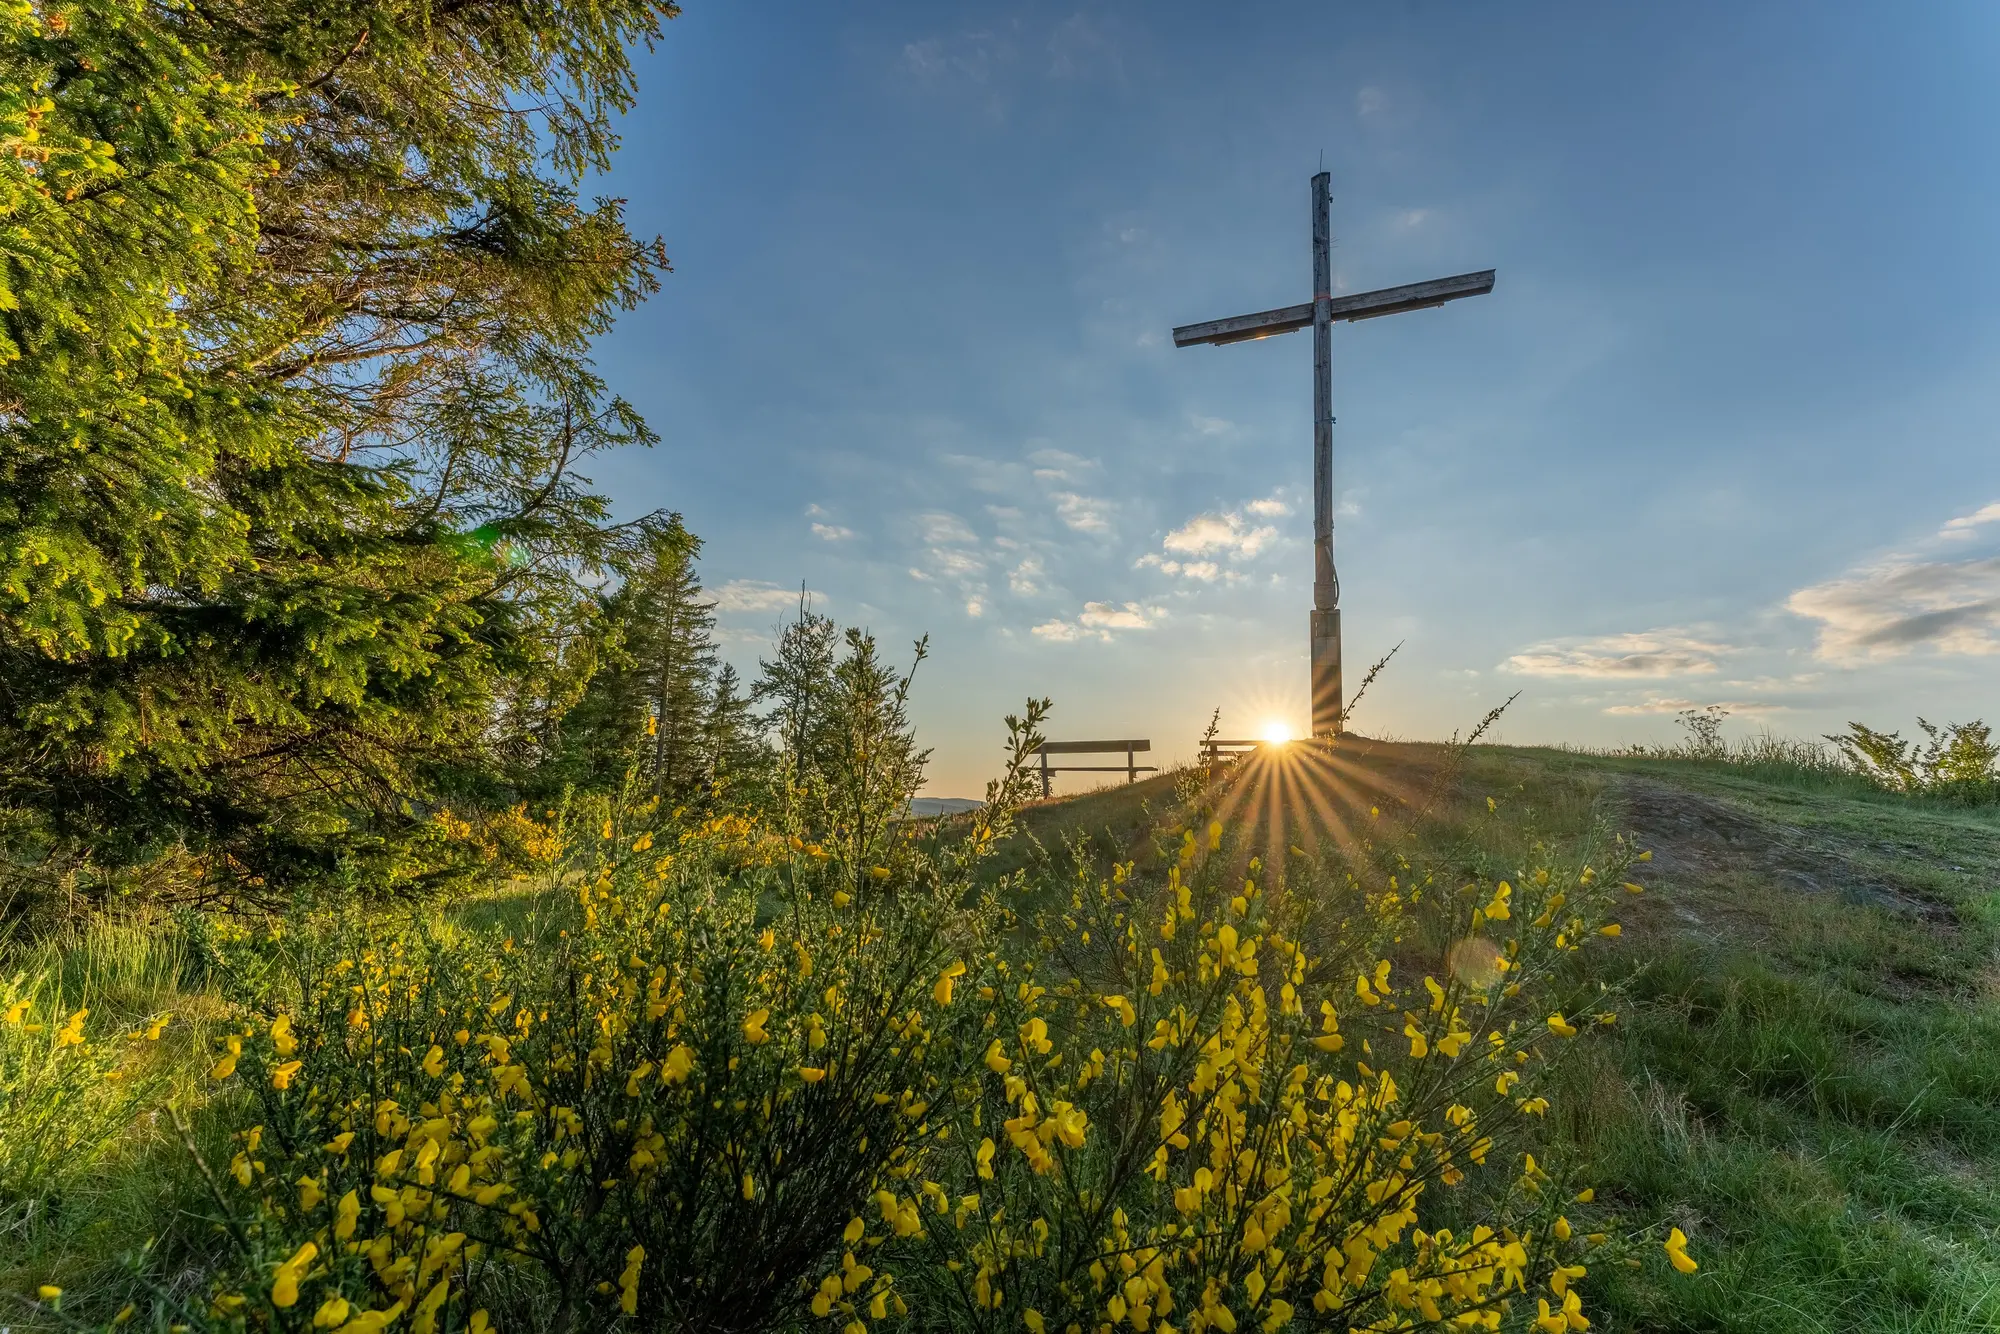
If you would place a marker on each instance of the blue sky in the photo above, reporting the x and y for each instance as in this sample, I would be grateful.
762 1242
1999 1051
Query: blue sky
1725 431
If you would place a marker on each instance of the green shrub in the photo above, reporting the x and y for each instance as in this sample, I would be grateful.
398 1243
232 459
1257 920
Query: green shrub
1960 762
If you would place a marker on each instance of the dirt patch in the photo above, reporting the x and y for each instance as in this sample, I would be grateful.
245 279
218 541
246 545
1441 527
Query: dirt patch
1696 838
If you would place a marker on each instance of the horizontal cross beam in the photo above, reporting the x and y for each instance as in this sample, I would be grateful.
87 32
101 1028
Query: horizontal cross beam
1362 306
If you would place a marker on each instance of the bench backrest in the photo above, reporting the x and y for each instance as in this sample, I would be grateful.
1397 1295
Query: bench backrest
1089 747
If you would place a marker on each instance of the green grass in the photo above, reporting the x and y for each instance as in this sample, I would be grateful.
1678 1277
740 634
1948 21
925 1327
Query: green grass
1806 1075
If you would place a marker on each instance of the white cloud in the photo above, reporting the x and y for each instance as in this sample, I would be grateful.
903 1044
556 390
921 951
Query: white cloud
756 595
1024 580
1098 621
1116 616
1905 604
1659 704
1059 465
1227 534
1649 653
941 528
1369 101
1210 425
974 607
832 532
1085 514
1411 218
1964 524
958 564
1204 570
1268 508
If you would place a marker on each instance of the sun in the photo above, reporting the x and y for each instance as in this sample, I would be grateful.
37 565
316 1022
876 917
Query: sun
1277 732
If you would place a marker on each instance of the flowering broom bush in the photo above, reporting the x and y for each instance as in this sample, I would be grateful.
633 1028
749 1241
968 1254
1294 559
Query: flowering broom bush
738 1080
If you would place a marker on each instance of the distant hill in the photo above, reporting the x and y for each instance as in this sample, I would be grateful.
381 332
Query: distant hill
928 806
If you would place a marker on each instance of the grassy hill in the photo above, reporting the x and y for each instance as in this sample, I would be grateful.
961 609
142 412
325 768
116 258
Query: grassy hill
1806 1076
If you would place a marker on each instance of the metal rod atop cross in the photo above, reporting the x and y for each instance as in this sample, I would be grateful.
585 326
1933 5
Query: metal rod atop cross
1328 714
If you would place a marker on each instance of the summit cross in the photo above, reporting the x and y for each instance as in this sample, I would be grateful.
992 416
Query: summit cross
1320 314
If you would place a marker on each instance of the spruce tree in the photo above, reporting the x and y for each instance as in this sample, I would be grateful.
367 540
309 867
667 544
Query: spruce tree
671 639
295 305
871 765
738 757
798 686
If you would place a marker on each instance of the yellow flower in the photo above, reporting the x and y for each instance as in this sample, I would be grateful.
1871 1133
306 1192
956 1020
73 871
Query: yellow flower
331 1312
1676 1249
1561 1027
373 1322
18 1011
941 993
48 1292
841 898
285 1283
71 1033
753 1027
628 1282
878 873
678 1065
812 1074
281 1076
766 939
1609 929
345 1215
310 1193
281 1035
434 1061
226 1067
157 1027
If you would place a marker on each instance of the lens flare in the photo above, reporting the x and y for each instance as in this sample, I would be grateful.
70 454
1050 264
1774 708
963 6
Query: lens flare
1277 732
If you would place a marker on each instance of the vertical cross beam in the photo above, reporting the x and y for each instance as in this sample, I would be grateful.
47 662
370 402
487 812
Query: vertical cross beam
1045 772
1325 624
1131 765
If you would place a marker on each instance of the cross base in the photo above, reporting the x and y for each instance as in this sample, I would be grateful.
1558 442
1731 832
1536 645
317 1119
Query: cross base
1326 684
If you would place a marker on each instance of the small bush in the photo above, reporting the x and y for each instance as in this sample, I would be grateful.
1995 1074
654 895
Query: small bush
1959 762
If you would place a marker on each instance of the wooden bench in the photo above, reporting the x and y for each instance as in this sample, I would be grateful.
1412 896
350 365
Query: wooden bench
1131 768
1216 753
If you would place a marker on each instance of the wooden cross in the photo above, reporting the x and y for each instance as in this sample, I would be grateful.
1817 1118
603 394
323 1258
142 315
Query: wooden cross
1320 314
